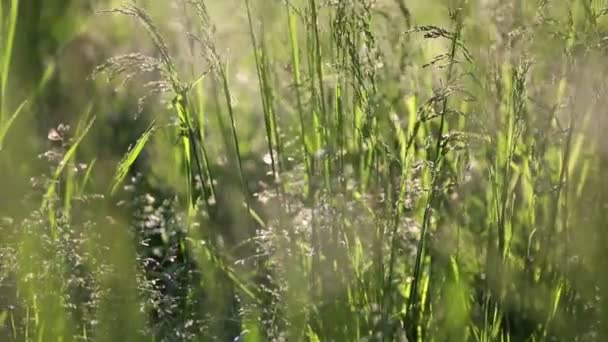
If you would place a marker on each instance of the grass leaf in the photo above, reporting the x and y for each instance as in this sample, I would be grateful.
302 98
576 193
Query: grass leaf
127 161
6 126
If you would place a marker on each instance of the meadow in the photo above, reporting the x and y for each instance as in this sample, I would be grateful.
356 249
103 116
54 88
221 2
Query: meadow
303 170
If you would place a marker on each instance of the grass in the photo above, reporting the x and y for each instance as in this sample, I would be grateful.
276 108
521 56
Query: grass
331 171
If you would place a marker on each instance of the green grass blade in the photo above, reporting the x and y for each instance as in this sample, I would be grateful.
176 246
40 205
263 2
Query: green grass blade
6 126
7 55
129 158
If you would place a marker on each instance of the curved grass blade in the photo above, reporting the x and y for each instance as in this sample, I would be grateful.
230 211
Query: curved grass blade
127 161
5 127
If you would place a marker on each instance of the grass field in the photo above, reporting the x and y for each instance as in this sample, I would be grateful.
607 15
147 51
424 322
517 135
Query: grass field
303 170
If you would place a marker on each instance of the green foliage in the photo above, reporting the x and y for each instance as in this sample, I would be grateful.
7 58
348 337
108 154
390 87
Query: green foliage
308 171
122 170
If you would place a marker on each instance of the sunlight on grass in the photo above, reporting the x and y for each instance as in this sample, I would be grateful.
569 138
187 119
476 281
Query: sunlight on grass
303 170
